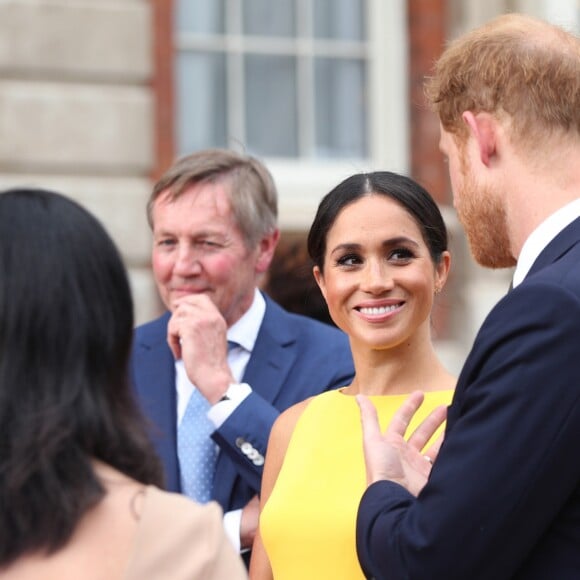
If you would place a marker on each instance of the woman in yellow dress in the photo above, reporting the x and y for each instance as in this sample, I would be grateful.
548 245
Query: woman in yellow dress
379 247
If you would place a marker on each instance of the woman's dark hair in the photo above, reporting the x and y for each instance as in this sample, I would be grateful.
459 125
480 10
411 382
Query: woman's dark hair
408 193
66 324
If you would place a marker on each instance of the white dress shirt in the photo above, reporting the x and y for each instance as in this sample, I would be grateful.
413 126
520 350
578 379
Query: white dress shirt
542 236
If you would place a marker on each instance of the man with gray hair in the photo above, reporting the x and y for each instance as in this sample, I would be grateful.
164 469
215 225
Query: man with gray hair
214 372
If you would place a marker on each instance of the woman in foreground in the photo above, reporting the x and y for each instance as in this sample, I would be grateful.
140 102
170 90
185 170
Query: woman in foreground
379 247
77 473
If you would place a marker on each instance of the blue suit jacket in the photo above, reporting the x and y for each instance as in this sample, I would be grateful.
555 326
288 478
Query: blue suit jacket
294 357
503 498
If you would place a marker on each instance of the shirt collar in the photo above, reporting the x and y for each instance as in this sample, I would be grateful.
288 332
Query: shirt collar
245 330
542 236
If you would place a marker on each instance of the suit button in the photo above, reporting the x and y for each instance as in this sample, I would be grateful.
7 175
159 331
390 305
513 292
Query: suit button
246 448
259 460
240 441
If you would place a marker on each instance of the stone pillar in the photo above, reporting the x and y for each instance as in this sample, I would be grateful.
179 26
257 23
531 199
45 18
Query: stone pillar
76 114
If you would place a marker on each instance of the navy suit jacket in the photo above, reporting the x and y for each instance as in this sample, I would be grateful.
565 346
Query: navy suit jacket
503 498
294 357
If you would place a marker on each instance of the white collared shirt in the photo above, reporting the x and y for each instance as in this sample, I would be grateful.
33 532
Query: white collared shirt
542 236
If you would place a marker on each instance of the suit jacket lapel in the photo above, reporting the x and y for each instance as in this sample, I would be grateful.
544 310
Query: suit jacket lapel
154 369
273 355
560 245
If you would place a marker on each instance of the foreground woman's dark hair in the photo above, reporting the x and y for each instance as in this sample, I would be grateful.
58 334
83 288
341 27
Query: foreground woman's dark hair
66 322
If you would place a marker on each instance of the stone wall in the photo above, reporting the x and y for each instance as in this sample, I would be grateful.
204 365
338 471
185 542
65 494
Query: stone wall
76 114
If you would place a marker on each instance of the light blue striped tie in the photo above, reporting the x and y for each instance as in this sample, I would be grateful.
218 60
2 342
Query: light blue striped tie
196 450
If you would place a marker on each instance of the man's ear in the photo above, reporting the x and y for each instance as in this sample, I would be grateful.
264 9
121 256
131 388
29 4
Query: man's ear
482 127
267 247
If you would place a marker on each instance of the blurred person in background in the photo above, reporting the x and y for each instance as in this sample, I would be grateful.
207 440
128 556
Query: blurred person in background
78 476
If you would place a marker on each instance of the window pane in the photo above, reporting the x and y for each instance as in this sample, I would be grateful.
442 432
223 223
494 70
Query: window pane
271 122
201 101
340 108
200 16
269 17
339 19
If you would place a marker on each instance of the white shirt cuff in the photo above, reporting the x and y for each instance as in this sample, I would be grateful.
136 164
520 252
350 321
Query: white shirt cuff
235 395
232 523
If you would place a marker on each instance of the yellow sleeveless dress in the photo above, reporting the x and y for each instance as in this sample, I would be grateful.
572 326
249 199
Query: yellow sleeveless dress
308 523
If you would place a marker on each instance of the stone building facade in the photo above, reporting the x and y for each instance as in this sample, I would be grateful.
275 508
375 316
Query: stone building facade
86 108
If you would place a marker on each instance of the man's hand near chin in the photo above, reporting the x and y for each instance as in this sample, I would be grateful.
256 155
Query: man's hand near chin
197 334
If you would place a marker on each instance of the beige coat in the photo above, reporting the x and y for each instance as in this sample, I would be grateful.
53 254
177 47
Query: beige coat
181 540
138 532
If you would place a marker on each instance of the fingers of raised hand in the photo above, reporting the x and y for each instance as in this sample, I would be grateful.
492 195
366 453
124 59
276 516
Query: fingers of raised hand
174 338
433 450
427 429
201 300
369 418
196 318
402 417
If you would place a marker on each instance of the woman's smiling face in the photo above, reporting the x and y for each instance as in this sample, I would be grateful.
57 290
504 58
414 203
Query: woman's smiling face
379 278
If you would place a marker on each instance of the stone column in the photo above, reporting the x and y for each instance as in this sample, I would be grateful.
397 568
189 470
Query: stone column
76 114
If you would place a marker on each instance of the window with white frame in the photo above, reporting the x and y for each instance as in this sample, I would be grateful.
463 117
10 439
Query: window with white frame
316 88
283 78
